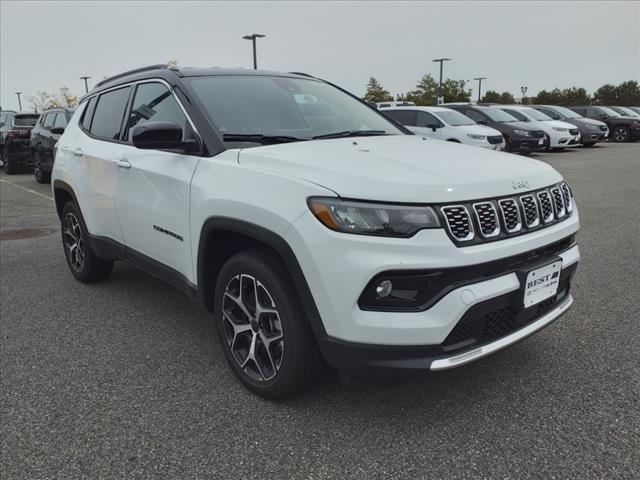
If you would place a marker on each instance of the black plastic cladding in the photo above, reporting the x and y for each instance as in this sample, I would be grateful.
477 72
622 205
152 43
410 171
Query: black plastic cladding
548 203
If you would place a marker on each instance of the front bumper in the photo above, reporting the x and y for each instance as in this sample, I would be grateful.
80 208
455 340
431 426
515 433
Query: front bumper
563 139
588 135
526 145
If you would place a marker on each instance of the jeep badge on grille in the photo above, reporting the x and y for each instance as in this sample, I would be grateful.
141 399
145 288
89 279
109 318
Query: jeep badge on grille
519 184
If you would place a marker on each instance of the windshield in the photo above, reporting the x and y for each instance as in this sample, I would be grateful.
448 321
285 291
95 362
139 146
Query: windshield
628 112
298 109
536 114
453 118
498 115
566 113
25 120
608 111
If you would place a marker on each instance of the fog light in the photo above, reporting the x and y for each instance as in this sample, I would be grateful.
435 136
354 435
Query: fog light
384 288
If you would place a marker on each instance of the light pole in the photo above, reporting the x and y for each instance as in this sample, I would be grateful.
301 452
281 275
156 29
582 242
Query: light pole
19 102
480 86
524 92
441 61
86 85
253 37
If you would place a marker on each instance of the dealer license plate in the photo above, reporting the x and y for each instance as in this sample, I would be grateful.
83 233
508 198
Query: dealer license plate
542 283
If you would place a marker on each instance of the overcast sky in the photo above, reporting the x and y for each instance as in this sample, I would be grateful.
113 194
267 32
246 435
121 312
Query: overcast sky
45 45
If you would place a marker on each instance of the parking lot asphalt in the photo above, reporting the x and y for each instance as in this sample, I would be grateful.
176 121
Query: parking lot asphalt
125 379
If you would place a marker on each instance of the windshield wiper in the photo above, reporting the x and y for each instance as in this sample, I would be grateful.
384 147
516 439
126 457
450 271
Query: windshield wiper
351 133
259 138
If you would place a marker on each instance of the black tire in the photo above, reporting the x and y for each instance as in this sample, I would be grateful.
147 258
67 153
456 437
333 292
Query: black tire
289 365
40 175
9 167
85 265
588 144
621 134
453 140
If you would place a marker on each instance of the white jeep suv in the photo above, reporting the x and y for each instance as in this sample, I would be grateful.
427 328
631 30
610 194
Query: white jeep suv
312 226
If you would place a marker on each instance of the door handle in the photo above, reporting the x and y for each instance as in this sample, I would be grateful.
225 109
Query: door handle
76 151
122 163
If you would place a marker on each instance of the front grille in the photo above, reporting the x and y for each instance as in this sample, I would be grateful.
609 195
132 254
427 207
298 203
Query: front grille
459 222
545 206
494 139
603 128
537 134
574 131
510 215
558 203
487 219
531 212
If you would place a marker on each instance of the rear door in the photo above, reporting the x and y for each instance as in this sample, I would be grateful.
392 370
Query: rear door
94 170
154 186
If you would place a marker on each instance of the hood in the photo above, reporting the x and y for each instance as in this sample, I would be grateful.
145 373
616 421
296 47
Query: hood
584 121
529 126
478 130
559 124
401 168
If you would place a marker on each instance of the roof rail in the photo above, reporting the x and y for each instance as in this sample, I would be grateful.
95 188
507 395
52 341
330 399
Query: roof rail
160 66
302 74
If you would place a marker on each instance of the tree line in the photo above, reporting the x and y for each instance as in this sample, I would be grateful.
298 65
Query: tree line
426 93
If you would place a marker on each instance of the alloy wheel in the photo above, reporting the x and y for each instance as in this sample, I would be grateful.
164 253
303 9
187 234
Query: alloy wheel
621 135
74 242
252 327
37 171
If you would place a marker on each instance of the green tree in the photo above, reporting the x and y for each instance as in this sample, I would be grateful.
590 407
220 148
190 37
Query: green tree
426 91
454 91
575 96
375 92
65 99
492 96
627 93
506 98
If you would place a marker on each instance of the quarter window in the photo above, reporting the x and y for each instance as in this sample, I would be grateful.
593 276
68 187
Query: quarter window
109 112
87 115
406 117
48 121
154 102
61 121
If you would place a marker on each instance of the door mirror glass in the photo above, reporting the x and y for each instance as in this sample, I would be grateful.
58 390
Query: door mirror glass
57 130
161 135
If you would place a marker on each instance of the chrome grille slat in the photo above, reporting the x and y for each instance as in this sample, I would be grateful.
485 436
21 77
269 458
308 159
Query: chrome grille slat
459 222
531 211
566 194
546 208
487 218
558 203
510 215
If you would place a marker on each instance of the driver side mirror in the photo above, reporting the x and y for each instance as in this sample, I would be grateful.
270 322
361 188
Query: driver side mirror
481 122
433 126
161 135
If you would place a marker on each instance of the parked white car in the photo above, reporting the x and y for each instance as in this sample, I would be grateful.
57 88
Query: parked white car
446 124
561 134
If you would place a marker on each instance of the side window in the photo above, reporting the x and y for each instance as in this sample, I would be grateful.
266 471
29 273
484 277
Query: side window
516 114
389 113
87 115
475 116
425 119
595 112
109 112
154 102
3 119
551 113
60 121
48 121
406 117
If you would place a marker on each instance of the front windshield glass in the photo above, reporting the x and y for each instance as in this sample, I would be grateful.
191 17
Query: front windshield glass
498 115
608 111
628 112
453 118
566 113
299 109
536 114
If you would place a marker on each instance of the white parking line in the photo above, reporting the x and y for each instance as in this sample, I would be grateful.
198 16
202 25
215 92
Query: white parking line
27 189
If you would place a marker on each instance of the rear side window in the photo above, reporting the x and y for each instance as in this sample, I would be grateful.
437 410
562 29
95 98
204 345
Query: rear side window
87 115
406 117
48 120
154 102
60 121
25 120
109 112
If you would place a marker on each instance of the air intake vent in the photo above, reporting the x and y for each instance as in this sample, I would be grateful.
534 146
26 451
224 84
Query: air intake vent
459 222
487 219
558 202
545 206
530 208
510 215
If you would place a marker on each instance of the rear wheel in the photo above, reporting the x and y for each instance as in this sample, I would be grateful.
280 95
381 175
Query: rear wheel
621 134
262 326
85 265
9 167
40 175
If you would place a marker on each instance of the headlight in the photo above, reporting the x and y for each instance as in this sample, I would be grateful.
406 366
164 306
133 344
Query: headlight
524 133
560 129
476 137
368 218
592 127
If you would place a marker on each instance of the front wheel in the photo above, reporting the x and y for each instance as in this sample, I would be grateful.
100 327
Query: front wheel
85 265
621 134
262 327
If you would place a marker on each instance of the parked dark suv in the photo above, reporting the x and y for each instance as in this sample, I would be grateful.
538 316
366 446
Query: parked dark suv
519 137
591 131
15 131
623 129
44 137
